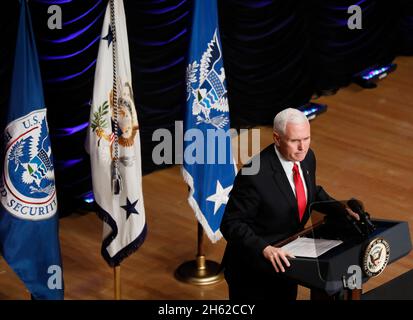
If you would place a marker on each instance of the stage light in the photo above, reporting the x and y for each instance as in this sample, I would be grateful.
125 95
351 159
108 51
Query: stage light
88 197
312 110
368 77
63 132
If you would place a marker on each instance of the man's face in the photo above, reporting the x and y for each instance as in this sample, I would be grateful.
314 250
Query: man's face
294 144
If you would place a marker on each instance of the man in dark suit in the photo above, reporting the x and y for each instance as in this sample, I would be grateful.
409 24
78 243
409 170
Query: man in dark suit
268 207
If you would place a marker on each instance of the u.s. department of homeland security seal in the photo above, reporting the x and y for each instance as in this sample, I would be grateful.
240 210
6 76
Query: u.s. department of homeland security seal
28 186
376 256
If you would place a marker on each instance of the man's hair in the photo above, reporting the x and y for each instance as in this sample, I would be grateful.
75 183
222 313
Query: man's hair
289 115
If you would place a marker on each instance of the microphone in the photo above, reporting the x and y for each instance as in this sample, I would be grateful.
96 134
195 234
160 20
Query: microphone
356 206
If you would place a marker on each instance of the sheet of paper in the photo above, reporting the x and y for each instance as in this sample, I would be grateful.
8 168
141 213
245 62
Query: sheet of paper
311 248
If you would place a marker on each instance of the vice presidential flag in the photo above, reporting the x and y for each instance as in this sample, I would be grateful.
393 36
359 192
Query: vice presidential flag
114 143
29 239
208 166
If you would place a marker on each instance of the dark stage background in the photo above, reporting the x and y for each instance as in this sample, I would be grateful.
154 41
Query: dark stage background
276 54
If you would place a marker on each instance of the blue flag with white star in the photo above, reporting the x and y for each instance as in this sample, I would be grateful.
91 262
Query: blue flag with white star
208 165
29 240
114 143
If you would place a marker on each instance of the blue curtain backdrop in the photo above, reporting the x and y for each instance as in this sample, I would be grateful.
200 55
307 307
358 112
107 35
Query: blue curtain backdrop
277 53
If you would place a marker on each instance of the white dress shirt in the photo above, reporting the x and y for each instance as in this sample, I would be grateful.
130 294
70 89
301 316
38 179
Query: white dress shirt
288 169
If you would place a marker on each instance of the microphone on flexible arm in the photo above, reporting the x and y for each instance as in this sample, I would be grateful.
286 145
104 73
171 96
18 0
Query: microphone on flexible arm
339 222
356 206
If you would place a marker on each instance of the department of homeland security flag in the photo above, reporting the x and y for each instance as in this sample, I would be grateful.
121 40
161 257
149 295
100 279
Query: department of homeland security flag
117 185
29 240
208 166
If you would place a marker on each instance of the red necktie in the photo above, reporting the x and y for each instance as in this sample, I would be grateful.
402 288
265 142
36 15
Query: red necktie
299 191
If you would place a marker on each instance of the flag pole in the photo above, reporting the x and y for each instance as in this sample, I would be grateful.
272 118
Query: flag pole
200 271
116 182
116 274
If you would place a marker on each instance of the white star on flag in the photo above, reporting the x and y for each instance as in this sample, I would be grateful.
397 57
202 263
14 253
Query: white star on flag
220 197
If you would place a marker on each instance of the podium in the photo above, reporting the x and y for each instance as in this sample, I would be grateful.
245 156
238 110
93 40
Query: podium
400 288
327 276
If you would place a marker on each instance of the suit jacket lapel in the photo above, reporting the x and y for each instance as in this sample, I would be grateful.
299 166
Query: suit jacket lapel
308 181
282 181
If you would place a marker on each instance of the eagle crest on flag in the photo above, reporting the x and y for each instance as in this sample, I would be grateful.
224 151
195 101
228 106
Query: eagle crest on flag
30 159
127 122
210 102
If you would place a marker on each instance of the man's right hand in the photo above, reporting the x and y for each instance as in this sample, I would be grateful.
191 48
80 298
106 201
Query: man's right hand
277 256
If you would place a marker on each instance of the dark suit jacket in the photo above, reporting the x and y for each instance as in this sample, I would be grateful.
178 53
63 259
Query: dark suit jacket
262 210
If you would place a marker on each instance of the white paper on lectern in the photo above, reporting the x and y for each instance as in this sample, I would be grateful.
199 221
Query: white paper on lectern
310 248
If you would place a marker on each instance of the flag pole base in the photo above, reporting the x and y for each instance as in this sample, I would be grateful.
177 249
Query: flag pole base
199 272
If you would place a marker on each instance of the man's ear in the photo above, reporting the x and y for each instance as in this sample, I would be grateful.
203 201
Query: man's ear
276 138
